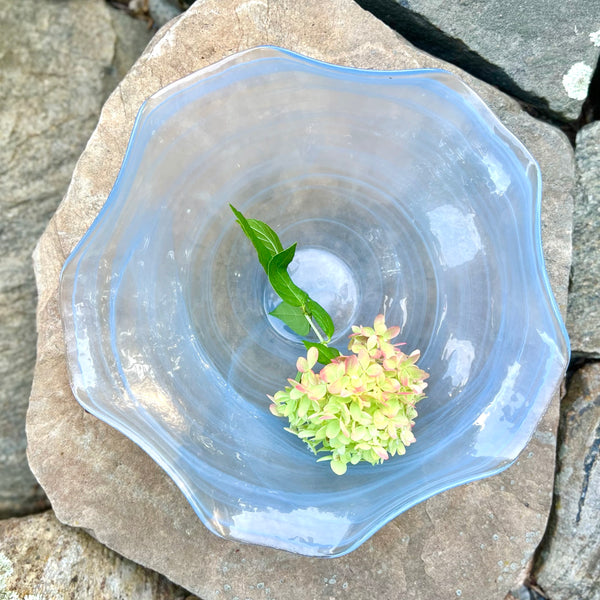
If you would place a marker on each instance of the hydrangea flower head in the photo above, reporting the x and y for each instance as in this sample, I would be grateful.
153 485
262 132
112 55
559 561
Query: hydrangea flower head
359 407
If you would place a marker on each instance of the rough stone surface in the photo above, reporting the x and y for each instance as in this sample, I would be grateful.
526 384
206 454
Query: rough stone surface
41 559
57 65
471 541
583 317
542 52
569 558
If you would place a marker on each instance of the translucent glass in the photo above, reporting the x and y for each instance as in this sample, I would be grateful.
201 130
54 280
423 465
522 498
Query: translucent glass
405 195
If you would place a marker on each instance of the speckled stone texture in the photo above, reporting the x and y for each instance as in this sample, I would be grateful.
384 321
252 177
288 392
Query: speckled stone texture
58 63
472 541
583 317
540 51
568 564
41 559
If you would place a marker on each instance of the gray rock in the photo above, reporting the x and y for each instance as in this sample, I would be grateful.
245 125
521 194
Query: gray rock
42 559
58 65
472 541
525 593
541 52
132 36
568 564
162 11
583 317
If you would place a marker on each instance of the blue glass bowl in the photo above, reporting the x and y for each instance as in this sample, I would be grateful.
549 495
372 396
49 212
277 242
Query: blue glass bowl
405 195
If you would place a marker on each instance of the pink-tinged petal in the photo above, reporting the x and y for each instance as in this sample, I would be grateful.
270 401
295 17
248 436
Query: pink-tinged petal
391 413
386 350
302 364
309 378
390 363
379 325
358 433
381 452
390 385
392 332
340 371
407 437
312 356
362 402
359 347
296 394
374 370
335 388
317 392
351 366
327 373
345 412
372 342
303 406
363 359
327 417
392 431
345 393
358 389
366 331
344 429
379 419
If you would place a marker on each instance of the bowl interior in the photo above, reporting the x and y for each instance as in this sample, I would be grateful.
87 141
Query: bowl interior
405 196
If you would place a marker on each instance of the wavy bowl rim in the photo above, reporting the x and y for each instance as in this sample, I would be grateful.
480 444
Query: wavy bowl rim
165 94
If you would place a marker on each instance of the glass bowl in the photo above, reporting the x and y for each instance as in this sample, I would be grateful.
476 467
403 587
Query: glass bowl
406 195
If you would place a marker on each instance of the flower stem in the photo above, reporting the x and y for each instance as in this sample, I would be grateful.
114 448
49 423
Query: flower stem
310 322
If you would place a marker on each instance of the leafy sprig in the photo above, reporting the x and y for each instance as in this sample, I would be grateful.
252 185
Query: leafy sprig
358 408
297 309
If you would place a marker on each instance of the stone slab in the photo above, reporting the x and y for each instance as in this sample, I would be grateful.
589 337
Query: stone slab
583 316
472 541
57 66
539 51
568 563
41 559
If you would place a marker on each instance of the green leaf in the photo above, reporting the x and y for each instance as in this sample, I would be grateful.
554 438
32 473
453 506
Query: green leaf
267 236
261 236
326 354
321 316
293 317
282 259
281 281
338 467
297 306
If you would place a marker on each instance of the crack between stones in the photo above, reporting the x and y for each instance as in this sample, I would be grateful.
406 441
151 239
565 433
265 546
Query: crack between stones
590 111
424 35
589 461
588 465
